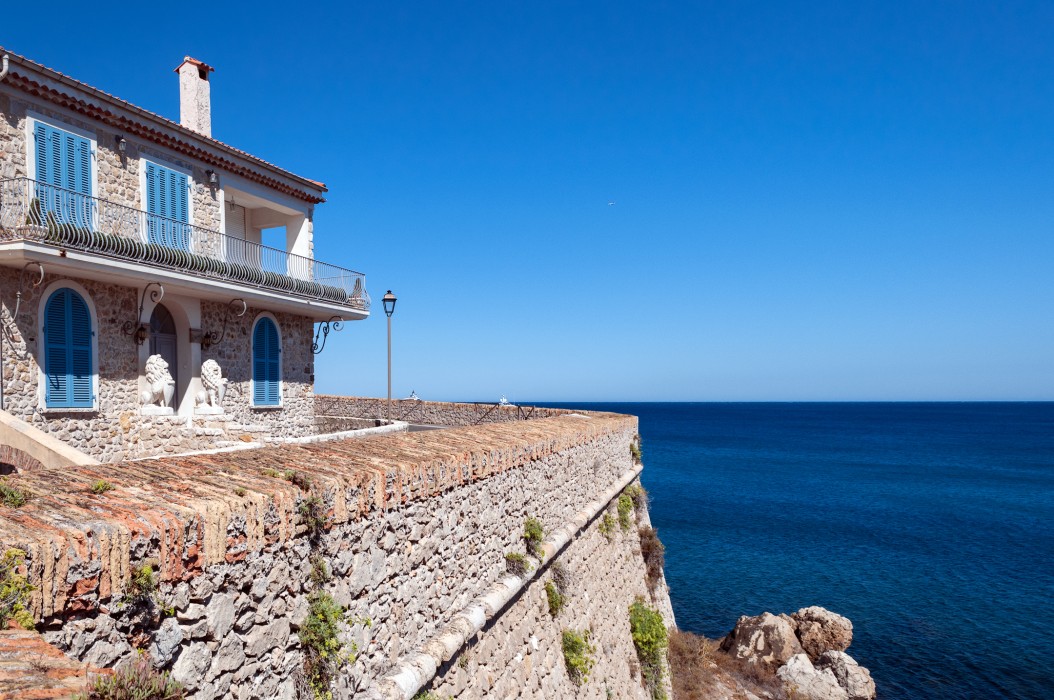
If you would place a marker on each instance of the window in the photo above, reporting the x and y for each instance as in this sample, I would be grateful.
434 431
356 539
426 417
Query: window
267 390
68 351
63 174
167 207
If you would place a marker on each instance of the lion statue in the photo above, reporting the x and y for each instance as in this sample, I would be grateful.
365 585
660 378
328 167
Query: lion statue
214 383
160 384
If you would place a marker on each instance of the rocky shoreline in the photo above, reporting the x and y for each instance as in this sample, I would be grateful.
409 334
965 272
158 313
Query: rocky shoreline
801 656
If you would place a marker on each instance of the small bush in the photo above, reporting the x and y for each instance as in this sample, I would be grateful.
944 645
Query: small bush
625 507
634 450
11 496
101 486
319 634
320 574
239 491
578 655
649 637
607 526
273 473
429 695
517 564
14 591
135 680
561 576
142 587
313 513
301 481
638 495
691 659
654 554
533 535
555 597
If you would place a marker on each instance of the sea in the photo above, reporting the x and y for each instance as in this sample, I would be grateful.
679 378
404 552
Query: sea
929 525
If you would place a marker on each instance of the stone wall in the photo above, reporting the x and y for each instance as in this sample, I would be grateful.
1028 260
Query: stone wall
418 528
429 412
117 430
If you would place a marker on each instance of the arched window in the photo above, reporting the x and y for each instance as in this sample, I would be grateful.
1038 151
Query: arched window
67 351
267 390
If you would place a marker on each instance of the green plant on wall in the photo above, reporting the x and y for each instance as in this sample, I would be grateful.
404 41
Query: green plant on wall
12 496
14 591
607 526
578 655
101 486
638 495
634 449
324 652
625 507
517 564
134 680
555 598
650 638
533 535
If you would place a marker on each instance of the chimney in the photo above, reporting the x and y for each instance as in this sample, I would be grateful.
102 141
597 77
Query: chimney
195 104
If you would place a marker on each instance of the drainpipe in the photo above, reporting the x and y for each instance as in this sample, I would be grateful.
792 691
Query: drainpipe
4 67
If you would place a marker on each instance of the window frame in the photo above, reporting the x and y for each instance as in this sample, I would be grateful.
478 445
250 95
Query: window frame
33 118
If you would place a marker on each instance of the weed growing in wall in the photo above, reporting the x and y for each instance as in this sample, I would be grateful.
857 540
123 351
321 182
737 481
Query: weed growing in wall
429 695
607 526
101 486
625 507
555 597
313 514
324 653
654 554
517 564
634 449
578 655
650 638
134 680
638 495
12 496
301 481
14 591
239 491
320 574
142 587
533 535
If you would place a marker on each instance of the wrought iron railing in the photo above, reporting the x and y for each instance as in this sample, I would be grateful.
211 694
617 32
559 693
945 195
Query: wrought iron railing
31 210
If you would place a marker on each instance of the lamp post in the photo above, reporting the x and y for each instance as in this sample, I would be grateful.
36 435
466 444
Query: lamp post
389 309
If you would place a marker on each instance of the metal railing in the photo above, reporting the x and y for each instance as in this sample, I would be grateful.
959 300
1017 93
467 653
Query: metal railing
35 211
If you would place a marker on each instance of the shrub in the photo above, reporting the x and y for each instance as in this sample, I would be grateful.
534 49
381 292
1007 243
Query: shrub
135 680
11 496
649 637
555 597
319 634
142 587
239 491
313 512
14 591
690 659
101 486
319 575
428 695
634 450
273 473
625 507
301 481
653 552
578 655
638 495
533 534
561 576
517 564
607 526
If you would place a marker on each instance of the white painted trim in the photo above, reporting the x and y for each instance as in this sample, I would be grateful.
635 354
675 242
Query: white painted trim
41 347
281 361
31 152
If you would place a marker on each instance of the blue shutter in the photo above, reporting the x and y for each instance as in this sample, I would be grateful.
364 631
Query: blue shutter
266 364
67 351
167 202
63 161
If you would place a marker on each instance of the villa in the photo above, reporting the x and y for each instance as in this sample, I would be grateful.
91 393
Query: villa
159 288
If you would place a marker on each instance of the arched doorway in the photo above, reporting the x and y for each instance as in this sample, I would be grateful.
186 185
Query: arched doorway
163 343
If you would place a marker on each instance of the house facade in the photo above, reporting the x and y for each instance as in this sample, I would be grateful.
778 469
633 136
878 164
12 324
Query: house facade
158 287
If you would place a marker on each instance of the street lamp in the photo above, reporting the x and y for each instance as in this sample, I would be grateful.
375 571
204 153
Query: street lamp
389 309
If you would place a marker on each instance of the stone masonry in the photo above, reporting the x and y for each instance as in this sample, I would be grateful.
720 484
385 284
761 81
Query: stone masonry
418 526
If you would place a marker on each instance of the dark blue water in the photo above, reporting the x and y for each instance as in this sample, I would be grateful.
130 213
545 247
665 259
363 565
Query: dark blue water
929 525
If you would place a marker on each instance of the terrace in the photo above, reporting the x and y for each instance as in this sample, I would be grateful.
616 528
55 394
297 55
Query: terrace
38 215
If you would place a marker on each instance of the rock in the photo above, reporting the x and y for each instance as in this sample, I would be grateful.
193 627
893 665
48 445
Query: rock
191 665
821 630
267 637
854 678
809 683
766 639
220 614
166 640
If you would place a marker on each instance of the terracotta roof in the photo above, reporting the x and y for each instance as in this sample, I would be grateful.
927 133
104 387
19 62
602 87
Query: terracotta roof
195 62
182 139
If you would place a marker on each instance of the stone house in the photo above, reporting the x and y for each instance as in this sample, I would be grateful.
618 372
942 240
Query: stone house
158 287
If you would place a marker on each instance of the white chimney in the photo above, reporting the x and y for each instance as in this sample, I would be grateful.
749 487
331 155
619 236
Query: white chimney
195 104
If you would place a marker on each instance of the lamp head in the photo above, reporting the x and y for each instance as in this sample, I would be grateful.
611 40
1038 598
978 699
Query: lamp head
389 303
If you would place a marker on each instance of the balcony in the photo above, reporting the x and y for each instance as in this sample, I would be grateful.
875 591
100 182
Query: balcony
37 212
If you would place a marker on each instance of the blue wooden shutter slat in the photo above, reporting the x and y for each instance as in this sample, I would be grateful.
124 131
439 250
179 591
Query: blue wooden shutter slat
80 353
56 356
272 364
266 364
68 351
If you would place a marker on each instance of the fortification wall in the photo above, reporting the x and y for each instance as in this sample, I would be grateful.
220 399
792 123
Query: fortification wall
417 528
429 412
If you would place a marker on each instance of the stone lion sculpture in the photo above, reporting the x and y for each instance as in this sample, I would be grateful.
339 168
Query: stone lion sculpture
161 386
214 383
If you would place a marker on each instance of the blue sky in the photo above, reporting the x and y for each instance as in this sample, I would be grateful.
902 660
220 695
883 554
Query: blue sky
814 201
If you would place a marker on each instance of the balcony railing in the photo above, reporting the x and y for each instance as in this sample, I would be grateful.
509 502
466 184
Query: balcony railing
31 210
